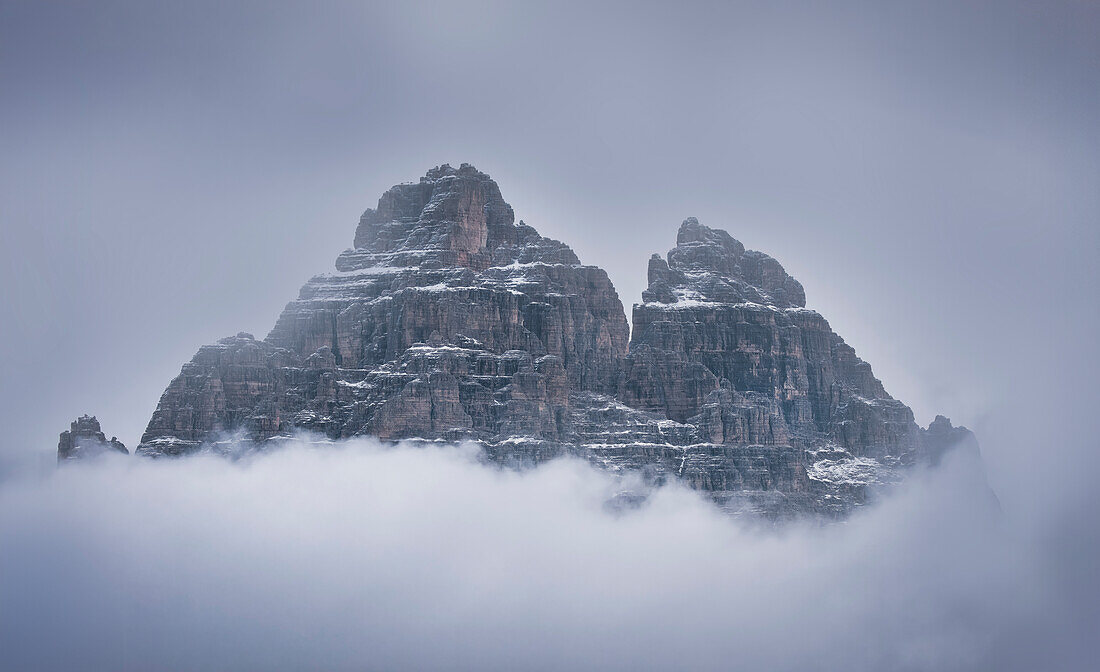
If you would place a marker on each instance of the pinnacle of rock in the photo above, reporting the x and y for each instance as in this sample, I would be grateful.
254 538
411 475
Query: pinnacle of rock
84 439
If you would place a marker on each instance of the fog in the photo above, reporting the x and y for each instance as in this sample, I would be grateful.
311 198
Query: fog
360 557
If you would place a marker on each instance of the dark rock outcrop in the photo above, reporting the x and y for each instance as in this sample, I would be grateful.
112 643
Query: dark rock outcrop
941 437
85 439
450 321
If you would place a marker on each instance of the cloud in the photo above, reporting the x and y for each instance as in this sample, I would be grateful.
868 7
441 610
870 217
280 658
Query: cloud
364 557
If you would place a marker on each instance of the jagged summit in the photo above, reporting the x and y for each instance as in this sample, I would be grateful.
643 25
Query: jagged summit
448 320
85 439
451 218
709 265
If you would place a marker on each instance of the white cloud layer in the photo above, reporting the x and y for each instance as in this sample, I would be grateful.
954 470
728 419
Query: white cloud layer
361 557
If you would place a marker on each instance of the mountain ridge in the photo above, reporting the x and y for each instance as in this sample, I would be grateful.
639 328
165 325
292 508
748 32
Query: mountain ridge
448 320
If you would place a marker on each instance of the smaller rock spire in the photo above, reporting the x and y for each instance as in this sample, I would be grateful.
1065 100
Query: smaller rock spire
85 439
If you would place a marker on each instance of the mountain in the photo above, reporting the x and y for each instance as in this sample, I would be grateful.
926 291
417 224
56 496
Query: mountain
450 321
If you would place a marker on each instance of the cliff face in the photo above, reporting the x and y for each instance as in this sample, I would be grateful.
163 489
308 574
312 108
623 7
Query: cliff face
724 343
450 321
723 336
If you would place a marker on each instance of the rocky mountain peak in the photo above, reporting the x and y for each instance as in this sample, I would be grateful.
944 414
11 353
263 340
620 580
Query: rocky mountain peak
448 320
453 218
85 439
710 265
451 321
691 231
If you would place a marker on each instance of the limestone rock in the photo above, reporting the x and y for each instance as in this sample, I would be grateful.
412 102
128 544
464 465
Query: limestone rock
450 321
723 342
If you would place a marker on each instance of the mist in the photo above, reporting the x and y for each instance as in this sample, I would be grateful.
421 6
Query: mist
358 556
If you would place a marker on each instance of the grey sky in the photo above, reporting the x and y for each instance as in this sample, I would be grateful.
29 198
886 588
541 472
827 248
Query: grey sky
171 173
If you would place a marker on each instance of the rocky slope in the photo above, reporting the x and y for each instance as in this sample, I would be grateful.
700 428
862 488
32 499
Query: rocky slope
448 320
85 439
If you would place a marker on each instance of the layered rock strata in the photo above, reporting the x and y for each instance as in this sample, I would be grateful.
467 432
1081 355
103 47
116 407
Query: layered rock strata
724 343
450 321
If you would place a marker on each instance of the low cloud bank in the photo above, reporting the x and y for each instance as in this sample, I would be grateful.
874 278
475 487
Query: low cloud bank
364 557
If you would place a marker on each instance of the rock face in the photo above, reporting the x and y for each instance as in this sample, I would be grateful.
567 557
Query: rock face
450 321
723 342
84 439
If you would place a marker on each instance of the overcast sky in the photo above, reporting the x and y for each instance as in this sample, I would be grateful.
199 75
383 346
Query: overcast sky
171 173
